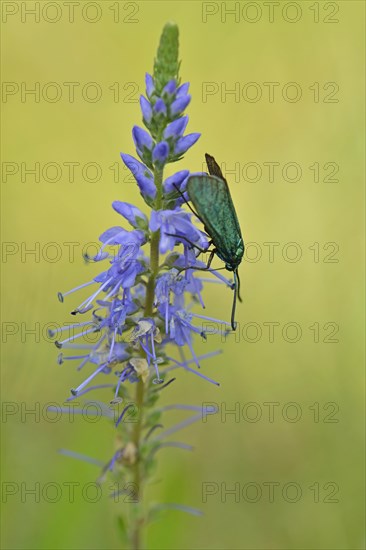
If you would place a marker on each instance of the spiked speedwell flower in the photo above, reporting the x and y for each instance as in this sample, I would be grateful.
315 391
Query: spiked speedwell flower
141 302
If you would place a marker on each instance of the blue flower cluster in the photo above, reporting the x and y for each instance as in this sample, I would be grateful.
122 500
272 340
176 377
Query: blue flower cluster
119 303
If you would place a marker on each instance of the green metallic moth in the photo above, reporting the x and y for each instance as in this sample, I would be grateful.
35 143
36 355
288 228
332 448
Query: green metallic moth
210 196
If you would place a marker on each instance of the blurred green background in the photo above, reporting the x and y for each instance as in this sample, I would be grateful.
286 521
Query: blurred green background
324 46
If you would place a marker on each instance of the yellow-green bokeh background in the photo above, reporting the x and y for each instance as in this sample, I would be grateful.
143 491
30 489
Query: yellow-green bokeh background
305 292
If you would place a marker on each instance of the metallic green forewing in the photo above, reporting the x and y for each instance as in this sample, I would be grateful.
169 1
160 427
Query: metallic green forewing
210 195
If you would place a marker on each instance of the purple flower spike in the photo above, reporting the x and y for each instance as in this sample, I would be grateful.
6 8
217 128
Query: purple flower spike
140 305
175 129
146 109
142 139
178 106
160 153
184 143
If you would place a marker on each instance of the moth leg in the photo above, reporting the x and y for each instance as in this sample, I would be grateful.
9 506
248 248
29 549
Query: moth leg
201 250
210 258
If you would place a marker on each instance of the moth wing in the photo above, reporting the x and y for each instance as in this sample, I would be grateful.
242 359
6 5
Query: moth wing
211 198
213 168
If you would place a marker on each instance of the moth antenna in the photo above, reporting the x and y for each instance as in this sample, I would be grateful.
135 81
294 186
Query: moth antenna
238 278
233 323
185 200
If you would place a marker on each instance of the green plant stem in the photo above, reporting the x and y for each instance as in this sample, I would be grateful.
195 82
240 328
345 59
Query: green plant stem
140 389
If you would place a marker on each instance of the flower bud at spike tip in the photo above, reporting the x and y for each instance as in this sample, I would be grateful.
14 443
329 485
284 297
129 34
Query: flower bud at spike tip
150 87
146 109
166 64
170 88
